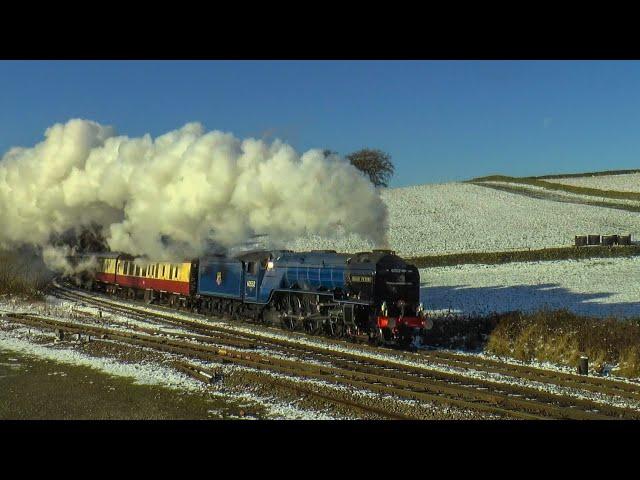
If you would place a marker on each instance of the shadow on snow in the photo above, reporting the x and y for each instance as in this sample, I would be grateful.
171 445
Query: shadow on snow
468 300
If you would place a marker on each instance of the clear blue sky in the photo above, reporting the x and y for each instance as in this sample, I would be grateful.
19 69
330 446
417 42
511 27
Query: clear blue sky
440 121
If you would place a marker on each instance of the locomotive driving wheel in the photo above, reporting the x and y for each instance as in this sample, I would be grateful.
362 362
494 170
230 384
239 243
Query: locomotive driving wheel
290 306
313 325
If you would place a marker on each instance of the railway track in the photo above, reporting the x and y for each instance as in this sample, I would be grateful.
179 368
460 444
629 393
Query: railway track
607 387
401 381
200 352
289 368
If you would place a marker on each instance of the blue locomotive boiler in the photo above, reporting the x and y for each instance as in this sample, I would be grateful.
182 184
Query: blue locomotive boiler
344 295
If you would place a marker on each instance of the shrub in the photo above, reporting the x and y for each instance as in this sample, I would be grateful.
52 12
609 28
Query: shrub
23 274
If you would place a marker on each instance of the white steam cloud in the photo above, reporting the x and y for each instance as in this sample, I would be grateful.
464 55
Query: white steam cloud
174 196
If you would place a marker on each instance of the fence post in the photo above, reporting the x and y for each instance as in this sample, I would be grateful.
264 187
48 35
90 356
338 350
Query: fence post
583 366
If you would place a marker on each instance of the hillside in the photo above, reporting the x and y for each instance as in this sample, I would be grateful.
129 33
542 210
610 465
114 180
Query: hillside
436 219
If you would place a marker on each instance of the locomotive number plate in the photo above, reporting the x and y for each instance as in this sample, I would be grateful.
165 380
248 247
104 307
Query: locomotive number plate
361 278
251 283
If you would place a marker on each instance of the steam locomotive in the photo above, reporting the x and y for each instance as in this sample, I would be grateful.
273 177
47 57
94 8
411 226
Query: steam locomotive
321 292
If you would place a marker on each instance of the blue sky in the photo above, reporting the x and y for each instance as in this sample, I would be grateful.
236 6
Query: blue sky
440 120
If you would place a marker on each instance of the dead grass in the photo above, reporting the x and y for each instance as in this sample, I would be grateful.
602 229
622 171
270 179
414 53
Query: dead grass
592 192
601 173
561 337
557 336
22 274
558 253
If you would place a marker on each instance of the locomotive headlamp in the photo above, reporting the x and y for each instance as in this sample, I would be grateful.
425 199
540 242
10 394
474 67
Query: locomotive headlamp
269 265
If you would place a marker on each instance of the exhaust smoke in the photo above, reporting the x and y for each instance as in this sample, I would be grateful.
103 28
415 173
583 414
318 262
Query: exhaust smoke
176 196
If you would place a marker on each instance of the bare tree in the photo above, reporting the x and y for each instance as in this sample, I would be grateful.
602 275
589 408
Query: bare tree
375 163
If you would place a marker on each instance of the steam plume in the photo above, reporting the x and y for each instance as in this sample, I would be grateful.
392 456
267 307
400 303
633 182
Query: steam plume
174 196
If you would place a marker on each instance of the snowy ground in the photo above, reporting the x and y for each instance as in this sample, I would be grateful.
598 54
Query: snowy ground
629 182
418 361
457 217
21 340
598 287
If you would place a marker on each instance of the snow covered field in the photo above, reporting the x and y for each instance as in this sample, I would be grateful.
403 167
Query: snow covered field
565 195
597 287
458 217
629 182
